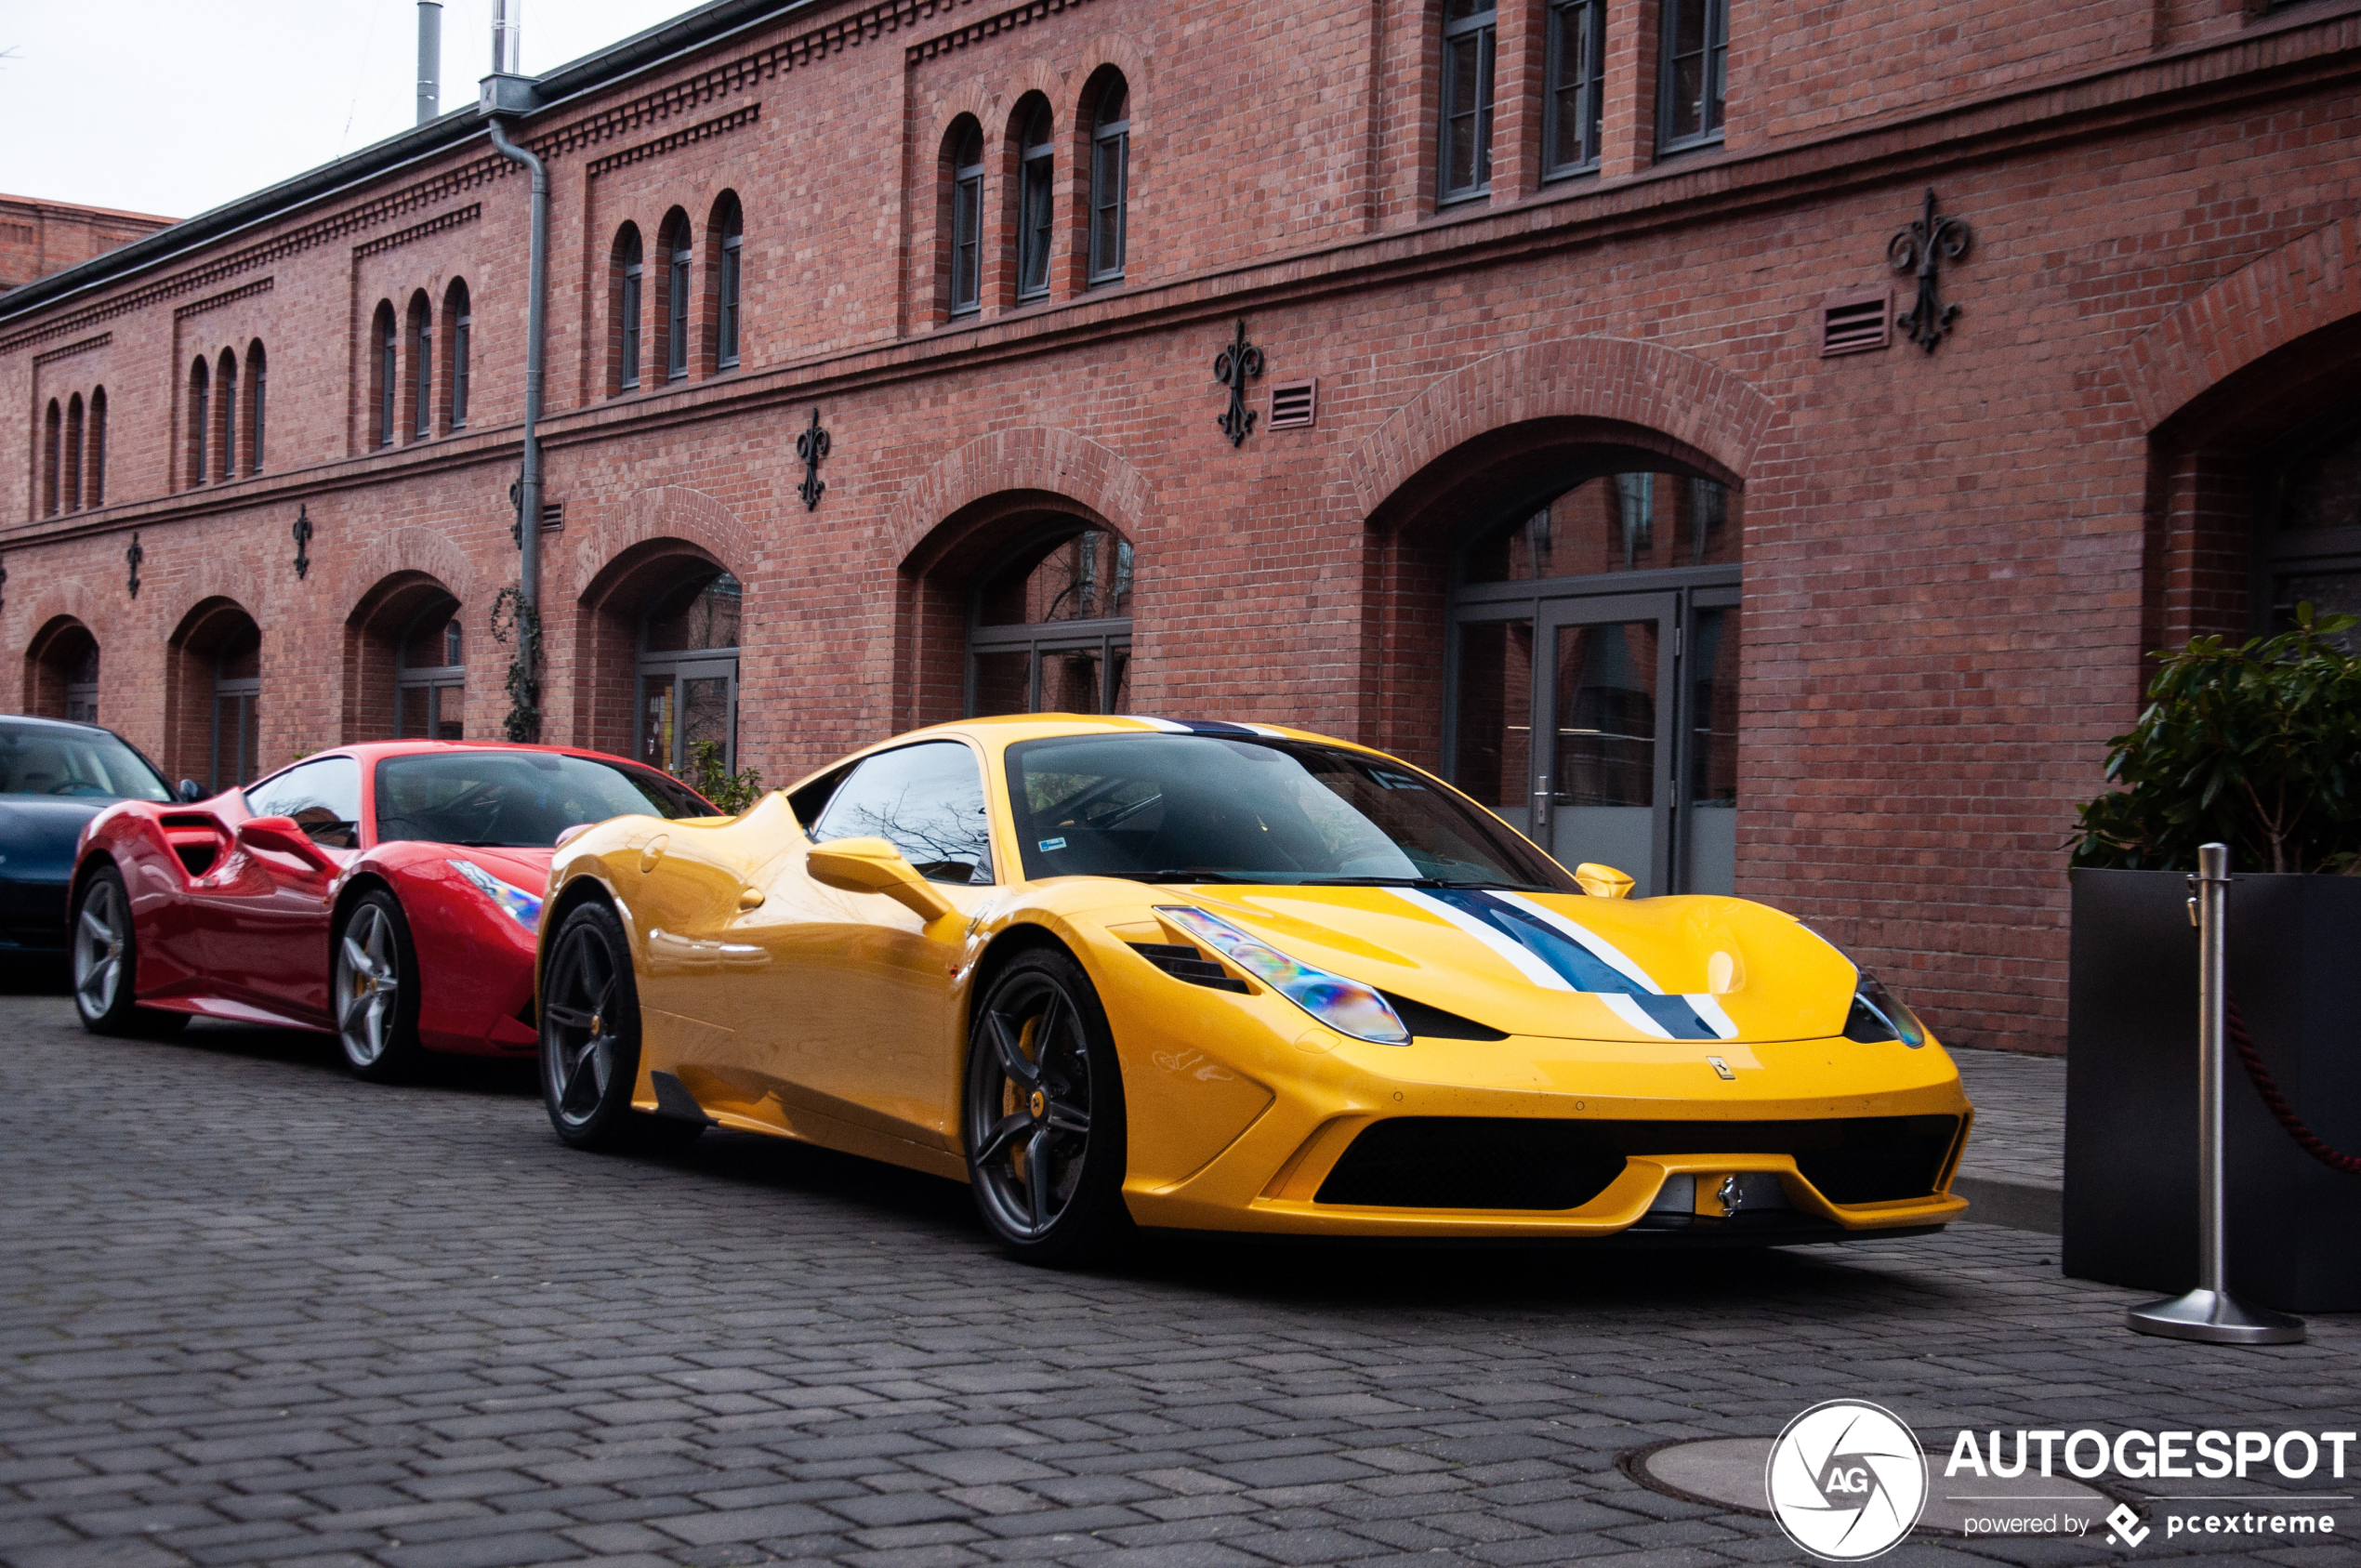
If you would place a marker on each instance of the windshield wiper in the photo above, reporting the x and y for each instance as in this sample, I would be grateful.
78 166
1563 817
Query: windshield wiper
1425 882
1185 874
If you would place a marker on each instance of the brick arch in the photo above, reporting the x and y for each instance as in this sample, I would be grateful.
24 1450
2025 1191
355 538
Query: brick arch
1031 459
216 576
975 97
672 512
408 549
1035 75
64 599
60 612
2305 285
1615 379
1127 55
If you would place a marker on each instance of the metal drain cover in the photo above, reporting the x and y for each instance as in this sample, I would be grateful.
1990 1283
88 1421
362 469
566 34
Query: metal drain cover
1728 1471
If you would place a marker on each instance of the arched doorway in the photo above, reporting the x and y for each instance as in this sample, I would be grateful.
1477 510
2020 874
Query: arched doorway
1592 665
405 662
61 672
1050 623
214 700
2308 522
688 669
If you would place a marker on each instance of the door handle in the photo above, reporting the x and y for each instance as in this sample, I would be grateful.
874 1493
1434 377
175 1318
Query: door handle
1541 805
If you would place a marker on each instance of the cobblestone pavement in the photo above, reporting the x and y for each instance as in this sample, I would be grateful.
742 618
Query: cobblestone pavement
253 1311
2020 1116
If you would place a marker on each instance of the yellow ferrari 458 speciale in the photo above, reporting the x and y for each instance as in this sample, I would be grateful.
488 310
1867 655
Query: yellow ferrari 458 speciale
1229 977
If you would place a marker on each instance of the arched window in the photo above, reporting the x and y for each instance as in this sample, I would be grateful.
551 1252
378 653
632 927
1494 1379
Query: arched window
418 394
430 676
225 418
1693 60
1464 157
1571 98
52 457
1635 689
1110 178
62 664
70 482
688 671
1049 628
1037 170
385 381
963 254
728 230
81 686
624 376
199 419
93 464
458 325
257 376
674 239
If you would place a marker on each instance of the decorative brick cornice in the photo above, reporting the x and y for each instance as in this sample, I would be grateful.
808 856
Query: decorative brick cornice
260 286
367 215
72 348
451 219
987 27
703 130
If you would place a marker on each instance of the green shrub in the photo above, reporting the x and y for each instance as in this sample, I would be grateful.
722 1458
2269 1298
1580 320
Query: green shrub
709 777
2258 747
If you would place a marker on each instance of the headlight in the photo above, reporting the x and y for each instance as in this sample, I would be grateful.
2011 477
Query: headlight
1346 1006
1876 1016
525 906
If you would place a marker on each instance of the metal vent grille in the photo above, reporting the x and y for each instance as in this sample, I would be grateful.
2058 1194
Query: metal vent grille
1857 324
1294 404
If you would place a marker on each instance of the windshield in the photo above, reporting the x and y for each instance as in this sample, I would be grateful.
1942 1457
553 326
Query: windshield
1161 808
516 799
86 764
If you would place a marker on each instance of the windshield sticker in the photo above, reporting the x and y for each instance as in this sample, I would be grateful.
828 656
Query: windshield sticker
1049 844
1559 955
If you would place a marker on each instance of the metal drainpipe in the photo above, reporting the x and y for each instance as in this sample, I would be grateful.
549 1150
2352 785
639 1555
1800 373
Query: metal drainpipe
528 489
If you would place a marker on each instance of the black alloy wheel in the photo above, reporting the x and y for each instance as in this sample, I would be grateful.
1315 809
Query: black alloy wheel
104 948
1043 1117
590 1040
375 990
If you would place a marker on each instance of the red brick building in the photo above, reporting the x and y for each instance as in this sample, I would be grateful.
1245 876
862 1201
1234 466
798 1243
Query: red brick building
38 238
1586 400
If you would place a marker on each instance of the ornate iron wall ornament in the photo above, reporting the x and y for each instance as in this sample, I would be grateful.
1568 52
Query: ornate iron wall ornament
4 588
135 555
811 446
1920 249
1232 367
303 543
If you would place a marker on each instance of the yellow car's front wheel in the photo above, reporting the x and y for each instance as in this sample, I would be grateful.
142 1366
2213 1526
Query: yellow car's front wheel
1043 1119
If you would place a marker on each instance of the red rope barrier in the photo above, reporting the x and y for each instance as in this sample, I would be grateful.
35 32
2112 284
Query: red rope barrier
2268 1088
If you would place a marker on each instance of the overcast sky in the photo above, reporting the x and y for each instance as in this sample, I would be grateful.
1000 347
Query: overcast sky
175 106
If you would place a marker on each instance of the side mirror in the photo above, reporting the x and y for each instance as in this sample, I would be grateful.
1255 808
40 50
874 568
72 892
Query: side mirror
190 791
872 866
280 835
1601 881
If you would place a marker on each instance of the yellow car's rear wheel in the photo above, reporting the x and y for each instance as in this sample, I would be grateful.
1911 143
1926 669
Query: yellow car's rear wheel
1043 1119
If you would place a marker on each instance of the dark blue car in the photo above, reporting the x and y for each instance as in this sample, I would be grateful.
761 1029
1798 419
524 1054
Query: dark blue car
54 777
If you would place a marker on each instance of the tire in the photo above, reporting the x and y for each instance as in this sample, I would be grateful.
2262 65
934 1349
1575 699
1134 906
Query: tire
1045 1100
590 1041
103 948
373 990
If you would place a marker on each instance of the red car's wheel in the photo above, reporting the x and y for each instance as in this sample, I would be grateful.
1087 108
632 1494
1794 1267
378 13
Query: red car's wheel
1044 1121
106 953
375 989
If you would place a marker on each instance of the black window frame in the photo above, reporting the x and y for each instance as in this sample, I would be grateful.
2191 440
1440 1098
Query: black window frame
1107 637
1037 201
225 395
679 258
200 422
462 309
732 268
1712 112
422 378
1479 29
257 383
93 464
634 261
967 221
389 377
1107 134
1587 19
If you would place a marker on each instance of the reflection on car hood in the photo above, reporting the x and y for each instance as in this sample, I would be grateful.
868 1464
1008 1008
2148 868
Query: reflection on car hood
528 869
37 835
1564 966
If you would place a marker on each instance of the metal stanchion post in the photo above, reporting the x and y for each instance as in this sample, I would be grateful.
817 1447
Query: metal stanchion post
2209 1312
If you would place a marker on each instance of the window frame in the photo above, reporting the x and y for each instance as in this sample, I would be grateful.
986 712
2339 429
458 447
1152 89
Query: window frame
199 419
1108 635
94 467
257 379
52 456
1590 92
679 258
983 792
729 325
460 307
1483 26
225 399
1037 186
390 376
1716 51
1104 134
434 679
967 222
679 667
631 283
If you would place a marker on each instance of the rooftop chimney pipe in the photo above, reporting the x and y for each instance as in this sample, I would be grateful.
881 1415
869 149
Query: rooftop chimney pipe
507 37
429 59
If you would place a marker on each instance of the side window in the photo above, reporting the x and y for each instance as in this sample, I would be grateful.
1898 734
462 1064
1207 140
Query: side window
926 800
324 798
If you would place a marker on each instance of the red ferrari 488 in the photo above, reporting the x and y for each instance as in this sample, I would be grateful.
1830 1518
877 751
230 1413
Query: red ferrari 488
388 894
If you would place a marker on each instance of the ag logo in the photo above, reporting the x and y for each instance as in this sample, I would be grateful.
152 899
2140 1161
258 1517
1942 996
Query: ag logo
1846 1480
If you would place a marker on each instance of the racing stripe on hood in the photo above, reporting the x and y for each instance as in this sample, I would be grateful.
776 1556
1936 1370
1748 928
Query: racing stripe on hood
1559 955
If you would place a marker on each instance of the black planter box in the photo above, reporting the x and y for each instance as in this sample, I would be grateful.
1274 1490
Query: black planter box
2294 963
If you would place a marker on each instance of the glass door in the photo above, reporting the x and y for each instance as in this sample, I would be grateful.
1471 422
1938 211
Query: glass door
1708 806
685 702
1602 785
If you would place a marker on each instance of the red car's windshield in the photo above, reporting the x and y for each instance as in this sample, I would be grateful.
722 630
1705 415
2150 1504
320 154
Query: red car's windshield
517 799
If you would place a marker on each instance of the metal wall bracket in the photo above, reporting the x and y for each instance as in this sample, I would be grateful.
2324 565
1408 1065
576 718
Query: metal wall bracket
134 556
1232 367
811 446
303 543
1919 250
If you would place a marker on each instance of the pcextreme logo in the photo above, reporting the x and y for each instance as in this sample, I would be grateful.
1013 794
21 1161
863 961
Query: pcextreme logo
1845 1479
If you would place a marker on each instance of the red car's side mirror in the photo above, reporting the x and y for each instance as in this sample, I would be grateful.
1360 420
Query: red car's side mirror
280 835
